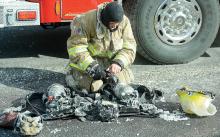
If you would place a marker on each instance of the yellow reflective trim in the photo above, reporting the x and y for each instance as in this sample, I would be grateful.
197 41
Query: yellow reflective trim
82 66
75 66
92 50
77 49
74 53
97 53
86 63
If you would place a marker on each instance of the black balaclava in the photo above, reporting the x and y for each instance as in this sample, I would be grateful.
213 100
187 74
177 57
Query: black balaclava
113 12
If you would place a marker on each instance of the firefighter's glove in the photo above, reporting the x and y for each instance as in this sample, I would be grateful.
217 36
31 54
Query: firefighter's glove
96 72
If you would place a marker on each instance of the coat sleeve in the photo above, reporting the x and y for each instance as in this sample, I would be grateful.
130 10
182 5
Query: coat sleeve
126 55
77 45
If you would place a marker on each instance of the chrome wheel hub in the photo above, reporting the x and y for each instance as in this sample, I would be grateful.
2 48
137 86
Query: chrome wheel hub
177 22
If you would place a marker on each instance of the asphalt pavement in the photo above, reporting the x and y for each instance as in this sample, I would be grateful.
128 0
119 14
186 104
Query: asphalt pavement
32 58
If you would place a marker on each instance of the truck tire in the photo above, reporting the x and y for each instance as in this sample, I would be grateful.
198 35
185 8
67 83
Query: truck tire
173 31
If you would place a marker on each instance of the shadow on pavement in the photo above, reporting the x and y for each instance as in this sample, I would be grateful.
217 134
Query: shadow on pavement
33 41
139 60
30 79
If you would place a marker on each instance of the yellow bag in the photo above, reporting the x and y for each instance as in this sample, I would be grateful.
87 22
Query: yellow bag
197 102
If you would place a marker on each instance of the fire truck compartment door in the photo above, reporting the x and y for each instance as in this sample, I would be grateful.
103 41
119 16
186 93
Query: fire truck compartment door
71 8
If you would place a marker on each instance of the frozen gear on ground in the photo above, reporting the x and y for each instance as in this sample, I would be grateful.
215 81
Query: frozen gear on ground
8 117
54 92
113 100
197 102
107 110
58 102
65 104
151 96
8 120
25 123
28 124
96 72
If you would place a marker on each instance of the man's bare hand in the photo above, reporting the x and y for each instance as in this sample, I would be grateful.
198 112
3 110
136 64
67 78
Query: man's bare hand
114 69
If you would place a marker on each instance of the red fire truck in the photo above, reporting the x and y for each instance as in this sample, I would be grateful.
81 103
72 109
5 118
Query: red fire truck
167 31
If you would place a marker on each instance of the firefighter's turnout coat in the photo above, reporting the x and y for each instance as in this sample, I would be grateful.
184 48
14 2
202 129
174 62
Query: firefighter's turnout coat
90 40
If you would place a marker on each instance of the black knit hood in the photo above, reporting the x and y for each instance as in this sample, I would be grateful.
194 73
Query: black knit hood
113 12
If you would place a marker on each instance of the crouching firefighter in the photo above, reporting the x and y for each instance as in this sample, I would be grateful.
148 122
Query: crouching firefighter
100 40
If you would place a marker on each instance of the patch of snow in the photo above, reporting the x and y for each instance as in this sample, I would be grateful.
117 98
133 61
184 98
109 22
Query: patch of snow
96 122
162 99
118 122
174 116
129 119
55 131
13 109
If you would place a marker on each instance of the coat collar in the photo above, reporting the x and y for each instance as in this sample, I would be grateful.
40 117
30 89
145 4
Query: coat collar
101 29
